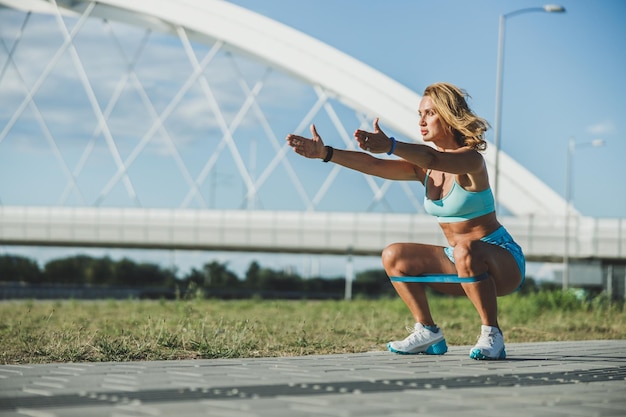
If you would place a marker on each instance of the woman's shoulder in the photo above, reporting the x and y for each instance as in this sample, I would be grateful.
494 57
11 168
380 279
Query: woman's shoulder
477 180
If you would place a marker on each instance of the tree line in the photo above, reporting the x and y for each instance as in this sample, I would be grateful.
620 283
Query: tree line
213 277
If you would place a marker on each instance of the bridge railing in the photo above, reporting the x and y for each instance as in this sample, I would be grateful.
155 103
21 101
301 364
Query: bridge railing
545 237
542 237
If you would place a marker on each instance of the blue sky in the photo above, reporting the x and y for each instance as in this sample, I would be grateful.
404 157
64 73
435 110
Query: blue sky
563 73
563 77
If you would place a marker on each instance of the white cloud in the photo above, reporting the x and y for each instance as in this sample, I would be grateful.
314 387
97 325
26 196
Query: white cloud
603 128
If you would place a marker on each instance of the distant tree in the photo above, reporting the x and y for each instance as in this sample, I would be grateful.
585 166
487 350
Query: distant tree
280 280
99 271
253 276
148 275
315 284
170 278
129 273
217 276
125 271
83 269
70 270
19 268
549 286
324 285
373 282
195 276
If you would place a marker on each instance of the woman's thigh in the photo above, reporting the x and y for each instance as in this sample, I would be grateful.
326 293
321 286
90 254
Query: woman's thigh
414 259
503 268
499 263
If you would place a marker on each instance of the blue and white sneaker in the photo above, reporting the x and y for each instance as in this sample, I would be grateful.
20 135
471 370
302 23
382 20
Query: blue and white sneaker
421 340
490 344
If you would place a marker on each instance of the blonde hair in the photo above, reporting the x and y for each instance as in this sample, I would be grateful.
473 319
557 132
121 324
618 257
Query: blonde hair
450 102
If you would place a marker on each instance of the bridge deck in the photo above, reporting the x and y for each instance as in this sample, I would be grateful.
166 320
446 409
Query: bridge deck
543 238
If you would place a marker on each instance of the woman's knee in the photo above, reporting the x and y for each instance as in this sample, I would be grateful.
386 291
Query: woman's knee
391 255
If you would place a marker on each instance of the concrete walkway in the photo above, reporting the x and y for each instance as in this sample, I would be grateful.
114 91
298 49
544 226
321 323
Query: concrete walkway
537 379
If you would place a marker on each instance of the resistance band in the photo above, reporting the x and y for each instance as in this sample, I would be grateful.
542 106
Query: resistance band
445 278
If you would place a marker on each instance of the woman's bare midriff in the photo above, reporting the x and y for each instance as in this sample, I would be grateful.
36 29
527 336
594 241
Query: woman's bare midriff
473 229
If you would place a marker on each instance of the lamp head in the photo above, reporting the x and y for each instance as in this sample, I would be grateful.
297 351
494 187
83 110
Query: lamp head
554 8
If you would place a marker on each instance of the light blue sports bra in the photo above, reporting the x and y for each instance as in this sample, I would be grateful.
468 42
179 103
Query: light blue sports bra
459 204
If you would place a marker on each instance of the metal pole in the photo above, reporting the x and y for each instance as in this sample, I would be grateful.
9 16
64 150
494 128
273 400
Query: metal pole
549 8
609 282
568 199
349 277
498 121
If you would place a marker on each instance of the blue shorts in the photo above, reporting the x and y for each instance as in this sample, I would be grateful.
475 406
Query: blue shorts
503 239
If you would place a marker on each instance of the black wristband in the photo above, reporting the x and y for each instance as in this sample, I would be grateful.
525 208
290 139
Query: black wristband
329 153
394 143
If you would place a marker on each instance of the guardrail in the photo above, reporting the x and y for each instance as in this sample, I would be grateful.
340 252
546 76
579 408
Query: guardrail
542 237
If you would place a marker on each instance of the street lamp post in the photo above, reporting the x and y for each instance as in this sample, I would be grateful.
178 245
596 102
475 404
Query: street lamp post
571 147
548 8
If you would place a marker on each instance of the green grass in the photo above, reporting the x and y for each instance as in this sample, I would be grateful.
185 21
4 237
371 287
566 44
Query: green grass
80 331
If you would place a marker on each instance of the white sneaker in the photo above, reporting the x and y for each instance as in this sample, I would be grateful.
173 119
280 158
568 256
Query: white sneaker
421 340
490 344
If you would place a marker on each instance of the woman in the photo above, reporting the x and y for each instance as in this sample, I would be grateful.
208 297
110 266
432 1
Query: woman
482 254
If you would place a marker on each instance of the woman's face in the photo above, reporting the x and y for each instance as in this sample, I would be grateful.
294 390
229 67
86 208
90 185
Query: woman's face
431 126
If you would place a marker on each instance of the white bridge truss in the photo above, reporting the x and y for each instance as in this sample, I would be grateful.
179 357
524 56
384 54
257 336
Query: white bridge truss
235 65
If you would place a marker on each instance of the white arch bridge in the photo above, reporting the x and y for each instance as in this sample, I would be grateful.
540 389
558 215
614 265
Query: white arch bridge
106 106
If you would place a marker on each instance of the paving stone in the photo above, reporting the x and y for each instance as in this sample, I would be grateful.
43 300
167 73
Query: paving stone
537 379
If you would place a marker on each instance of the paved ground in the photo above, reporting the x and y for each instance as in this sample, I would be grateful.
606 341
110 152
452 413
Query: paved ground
537 379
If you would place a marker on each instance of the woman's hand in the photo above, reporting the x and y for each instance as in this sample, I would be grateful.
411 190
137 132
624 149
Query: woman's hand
309 148
374 142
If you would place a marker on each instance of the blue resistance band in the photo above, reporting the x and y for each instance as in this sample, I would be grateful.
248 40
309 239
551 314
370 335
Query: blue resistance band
445 278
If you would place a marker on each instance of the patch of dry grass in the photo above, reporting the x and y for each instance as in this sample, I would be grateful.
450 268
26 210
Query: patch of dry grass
81 331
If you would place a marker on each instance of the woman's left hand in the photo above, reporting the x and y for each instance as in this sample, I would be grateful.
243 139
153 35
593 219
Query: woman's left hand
309 148
373 142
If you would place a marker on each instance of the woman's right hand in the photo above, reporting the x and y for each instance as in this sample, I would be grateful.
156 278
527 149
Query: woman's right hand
309 148
374 142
